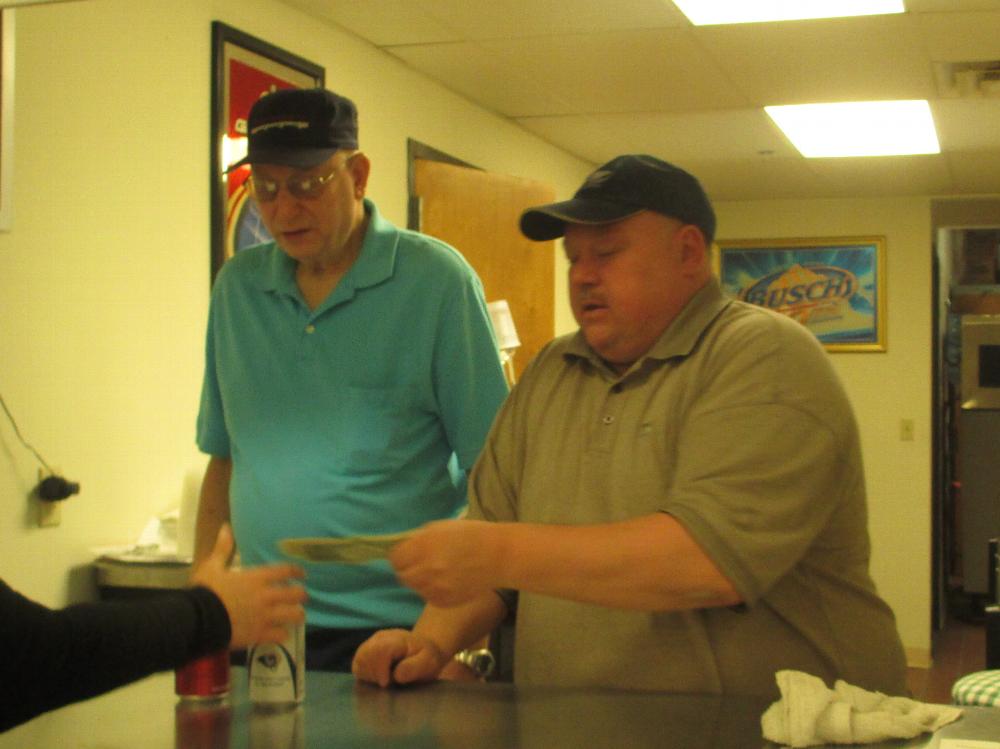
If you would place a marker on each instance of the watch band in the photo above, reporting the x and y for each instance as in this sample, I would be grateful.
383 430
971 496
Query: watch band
481 661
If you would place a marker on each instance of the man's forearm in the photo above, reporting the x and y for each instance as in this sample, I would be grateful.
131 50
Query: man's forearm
649 563
213 506
458 627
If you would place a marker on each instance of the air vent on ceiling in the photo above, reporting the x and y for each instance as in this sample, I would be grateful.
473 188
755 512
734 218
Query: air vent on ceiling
968 79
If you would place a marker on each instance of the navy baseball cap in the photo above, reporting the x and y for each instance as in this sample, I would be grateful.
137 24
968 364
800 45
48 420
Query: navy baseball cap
299 128
623 187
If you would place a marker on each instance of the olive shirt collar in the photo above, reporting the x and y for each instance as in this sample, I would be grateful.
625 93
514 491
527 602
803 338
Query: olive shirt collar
374 265
678 340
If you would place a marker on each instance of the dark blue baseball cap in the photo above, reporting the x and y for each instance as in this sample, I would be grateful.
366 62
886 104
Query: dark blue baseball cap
299 128
624 186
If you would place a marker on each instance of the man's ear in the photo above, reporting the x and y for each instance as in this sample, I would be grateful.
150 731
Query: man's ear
360 167
694 249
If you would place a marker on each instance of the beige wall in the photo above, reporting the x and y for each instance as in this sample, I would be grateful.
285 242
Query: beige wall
104 277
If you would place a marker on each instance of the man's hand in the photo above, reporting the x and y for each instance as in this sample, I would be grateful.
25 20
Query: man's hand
450 562
397 656
260 602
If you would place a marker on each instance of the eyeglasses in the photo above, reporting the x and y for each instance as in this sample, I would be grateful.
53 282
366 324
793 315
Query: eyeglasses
266 190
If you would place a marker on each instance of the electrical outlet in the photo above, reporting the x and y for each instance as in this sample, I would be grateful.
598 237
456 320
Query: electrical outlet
49 514
906 430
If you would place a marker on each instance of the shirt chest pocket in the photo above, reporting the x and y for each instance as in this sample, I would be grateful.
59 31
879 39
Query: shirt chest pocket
372 427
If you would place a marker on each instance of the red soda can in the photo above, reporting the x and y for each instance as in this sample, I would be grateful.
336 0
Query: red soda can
205 678
202 725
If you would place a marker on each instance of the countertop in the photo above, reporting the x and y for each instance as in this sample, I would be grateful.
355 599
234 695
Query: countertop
338 712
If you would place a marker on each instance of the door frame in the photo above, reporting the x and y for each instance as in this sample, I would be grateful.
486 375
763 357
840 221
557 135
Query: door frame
417 150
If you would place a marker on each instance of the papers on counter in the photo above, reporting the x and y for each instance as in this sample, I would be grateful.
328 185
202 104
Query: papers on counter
141 555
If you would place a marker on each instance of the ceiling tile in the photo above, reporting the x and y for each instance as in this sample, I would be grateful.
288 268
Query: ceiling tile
510 19
685 138
843 59
761 178
896 175
961 37
976 172
607 72
382 22
477 71
950 6
967 124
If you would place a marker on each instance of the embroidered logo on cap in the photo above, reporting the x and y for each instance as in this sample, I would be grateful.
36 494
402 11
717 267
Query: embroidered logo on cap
297 124
596 179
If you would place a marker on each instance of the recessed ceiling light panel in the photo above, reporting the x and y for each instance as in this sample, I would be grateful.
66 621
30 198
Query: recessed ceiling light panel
865 128
709 12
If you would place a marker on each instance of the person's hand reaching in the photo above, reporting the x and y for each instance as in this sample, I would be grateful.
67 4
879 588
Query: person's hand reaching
261 602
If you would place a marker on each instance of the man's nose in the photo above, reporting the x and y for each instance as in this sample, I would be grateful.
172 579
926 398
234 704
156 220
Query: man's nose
285 203
583 271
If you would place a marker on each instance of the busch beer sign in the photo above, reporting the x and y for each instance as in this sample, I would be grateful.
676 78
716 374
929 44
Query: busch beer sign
833 287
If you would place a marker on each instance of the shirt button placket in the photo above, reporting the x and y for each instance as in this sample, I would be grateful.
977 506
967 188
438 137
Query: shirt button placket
306 343
609 418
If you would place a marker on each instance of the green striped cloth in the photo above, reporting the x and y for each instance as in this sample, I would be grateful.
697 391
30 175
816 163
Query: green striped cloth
979 688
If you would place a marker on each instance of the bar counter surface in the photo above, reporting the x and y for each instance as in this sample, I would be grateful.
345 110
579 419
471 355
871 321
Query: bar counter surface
338 712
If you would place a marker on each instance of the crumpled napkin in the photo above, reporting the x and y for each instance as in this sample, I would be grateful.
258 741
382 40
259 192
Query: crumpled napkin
809 713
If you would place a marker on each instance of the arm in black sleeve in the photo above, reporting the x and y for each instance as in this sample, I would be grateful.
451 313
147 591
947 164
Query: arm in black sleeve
53 657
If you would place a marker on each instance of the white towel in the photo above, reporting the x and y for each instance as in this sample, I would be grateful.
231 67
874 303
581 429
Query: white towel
809 713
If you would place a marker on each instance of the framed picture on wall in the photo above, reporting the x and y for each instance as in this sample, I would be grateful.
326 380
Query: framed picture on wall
835 287
244 68
6 116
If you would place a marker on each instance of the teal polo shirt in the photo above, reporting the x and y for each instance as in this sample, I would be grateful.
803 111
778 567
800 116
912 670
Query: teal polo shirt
359 417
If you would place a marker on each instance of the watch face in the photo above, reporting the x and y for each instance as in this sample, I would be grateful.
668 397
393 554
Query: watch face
480 661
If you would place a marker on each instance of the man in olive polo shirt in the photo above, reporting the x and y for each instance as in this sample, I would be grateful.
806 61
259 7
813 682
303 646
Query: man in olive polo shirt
675 492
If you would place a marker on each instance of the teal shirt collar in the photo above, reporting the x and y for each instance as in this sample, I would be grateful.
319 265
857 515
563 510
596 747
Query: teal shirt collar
374 265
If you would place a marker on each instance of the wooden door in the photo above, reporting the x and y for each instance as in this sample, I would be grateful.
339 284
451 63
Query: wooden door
478 212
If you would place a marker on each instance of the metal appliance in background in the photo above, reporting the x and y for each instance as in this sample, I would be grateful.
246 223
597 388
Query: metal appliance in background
978 459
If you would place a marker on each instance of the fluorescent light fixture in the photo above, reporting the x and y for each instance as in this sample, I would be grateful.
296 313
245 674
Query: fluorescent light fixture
862 128
709 12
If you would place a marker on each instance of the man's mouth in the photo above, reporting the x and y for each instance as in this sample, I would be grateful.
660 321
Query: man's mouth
592 307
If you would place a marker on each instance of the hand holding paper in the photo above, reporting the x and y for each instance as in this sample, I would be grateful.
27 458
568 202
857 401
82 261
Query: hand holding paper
353 550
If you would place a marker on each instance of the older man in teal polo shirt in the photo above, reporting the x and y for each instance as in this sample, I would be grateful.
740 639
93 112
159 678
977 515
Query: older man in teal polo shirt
351 373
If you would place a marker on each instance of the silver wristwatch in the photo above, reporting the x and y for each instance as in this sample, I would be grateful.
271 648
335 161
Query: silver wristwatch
481 662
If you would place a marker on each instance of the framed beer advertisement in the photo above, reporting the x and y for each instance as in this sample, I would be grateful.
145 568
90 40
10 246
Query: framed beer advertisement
835 287
244 68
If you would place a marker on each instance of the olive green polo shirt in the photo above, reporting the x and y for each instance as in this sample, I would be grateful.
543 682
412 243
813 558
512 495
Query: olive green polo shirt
735 423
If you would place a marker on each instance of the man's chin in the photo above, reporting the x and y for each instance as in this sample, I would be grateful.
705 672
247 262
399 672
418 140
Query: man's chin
296 250
599 343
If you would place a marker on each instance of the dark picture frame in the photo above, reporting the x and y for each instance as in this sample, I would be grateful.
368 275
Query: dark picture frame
244 68
833 286
6 117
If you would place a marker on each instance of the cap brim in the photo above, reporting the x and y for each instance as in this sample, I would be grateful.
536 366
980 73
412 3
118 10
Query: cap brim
549 221
297 158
